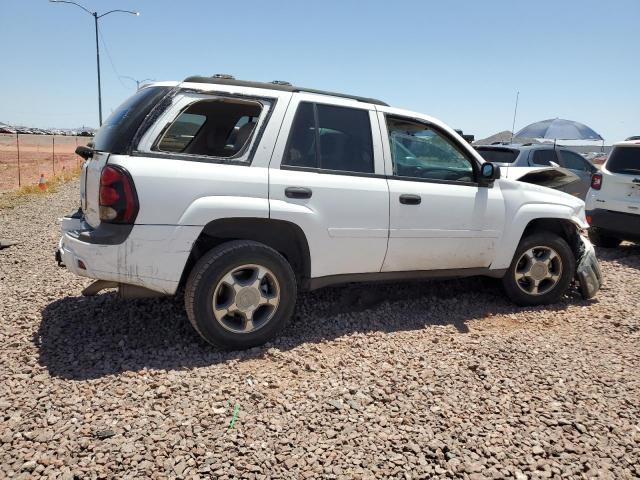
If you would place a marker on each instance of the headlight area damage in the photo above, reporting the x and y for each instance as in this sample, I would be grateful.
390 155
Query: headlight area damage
588 273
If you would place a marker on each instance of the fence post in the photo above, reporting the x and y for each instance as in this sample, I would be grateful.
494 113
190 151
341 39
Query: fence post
53 154
18 148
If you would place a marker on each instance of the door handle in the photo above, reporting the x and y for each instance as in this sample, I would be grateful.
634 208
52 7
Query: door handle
297 192
407 199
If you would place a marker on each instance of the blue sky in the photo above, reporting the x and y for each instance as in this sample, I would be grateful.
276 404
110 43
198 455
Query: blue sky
459 61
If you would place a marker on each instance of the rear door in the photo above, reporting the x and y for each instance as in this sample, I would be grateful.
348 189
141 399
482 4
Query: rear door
327 177
621 183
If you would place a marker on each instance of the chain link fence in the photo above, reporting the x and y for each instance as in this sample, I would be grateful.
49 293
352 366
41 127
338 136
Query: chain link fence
25 158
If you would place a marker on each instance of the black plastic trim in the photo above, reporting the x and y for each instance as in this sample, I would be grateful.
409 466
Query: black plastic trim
321 282
623 225
104 234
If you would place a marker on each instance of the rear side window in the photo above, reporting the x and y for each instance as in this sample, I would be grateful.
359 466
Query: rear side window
117 131
544 157
499 155
624 160
182 132
220 127
328 137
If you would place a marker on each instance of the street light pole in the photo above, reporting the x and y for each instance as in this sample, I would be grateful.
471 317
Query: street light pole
97 17
138 82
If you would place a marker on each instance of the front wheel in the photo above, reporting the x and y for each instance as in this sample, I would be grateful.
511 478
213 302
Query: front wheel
240 294
541 270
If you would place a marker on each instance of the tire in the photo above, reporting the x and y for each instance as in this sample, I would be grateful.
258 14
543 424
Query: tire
227 279
600 239
520 280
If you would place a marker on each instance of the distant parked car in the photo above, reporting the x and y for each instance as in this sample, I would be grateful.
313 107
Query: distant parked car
85 133
613 202
6 129
635 137
543 155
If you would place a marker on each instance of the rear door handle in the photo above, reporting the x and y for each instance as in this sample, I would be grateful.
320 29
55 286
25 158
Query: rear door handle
407 199
297 192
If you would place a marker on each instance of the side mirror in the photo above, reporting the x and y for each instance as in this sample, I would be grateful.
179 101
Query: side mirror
488 173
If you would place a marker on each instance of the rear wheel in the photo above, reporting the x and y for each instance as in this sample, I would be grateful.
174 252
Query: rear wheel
541 270
240 294
601 239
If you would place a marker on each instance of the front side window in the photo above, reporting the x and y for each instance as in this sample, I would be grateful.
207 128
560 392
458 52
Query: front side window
544 157
573 161
221 127
328 137
419 151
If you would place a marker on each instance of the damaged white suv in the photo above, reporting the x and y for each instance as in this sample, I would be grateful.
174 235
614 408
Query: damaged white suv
244 193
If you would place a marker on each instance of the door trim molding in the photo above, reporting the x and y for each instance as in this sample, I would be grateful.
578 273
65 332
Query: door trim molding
321 282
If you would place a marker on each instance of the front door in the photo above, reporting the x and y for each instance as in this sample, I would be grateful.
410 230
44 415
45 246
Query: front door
439 217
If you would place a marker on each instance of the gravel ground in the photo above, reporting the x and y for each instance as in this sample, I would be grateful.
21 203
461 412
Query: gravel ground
376 381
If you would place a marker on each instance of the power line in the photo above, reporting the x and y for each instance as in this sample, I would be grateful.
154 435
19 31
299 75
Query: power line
113 66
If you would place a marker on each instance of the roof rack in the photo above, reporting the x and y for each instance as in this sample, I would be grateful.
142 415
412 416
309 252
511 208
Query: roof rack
224 79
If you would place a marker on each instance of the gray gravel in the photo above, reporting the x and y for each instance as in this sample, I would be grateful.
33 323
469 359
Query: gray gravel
387 381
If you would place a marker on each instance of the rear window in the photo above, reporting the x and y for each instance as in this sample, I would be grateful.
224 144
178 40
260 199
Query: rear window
119 128
624 160
499 155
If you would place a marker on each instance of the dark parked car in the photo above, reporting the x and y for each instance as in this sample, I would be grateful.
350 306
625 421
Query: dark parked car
543 155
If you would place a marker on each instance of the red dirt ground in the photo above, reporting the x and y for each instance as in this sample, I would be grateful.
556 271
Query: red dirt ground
36 157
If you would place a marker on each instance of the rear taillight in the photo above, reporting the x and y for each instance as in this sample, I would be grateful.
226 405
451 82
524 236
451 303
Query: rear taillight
596 181
118 199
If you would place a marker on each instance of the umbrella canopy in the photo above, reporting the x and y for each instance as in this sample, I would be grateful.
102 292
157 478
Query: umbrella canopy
559 129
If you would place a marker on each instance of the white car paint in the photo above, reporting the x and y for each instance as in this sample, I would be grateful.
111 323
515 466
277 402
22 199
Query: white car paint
619 192
353 224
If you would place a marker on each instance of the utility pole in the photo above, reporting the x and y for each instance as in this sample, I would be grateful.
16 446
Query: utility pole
97 17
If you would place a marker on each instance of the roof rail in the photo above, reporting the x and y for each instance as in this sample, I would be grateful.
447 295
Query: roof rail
223 79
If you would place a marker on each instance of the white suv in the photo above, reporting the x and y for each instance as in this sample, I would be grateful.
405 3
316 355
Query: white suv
613 202
245 193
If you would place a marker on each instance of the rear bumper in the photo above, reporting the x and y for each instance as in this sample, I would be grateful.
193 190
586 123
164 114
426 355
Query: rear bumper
625 226
588 272
152 256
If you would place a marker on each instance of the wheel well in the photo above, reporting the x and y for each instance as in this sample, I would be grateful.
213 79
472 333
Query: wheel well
286 238
564 228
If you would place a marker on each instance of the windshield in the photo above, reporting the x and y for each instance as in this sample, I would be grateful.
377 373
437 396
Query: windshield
624 160
499 155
